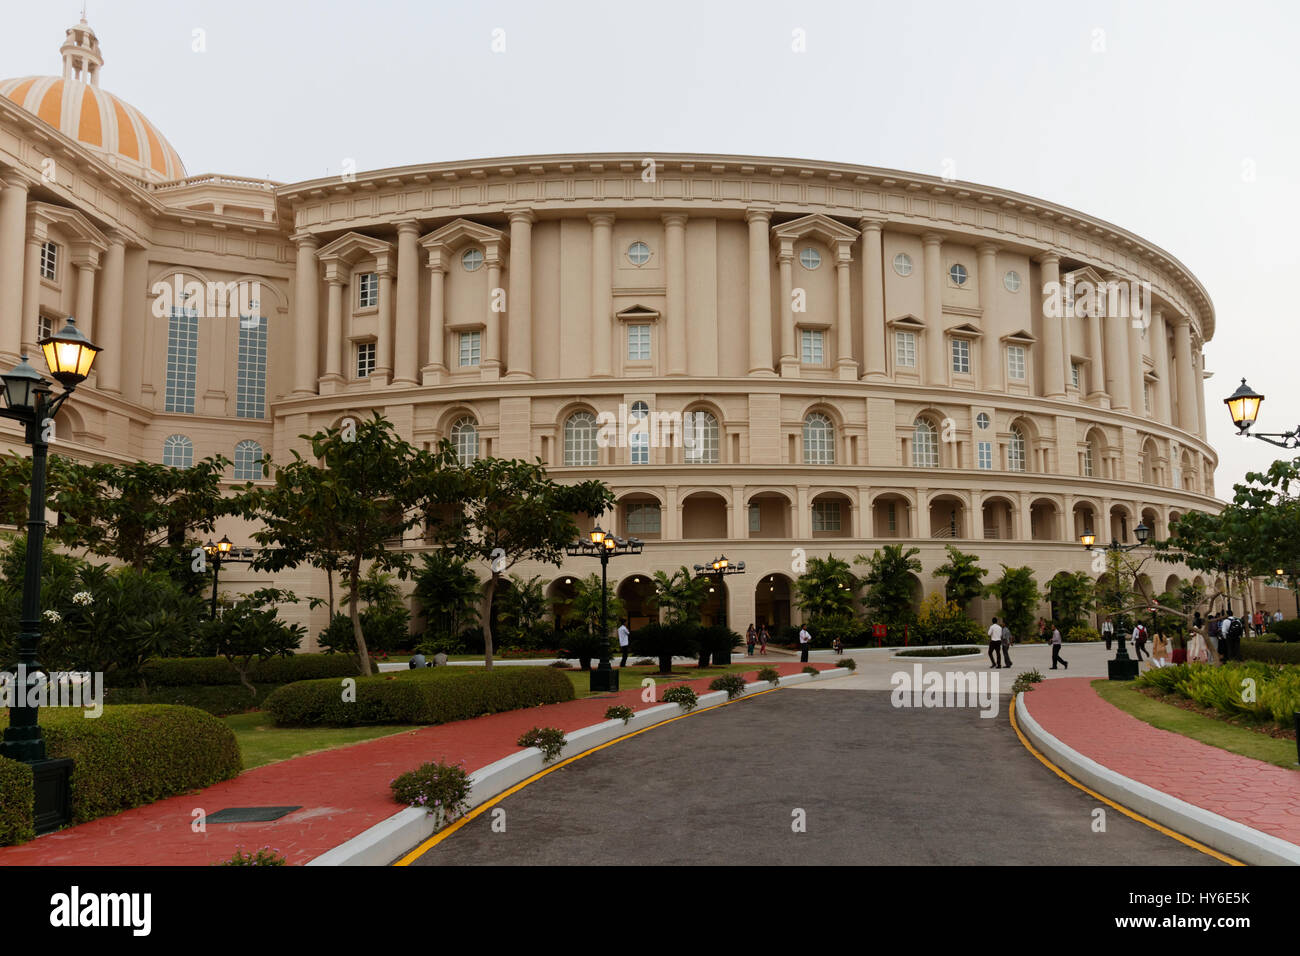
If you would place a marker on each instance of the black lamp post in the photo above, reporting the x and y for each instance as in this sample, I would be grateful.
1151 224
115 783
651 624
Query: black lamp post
1122 667
715 571
69 356
604 546
220 553
1243 406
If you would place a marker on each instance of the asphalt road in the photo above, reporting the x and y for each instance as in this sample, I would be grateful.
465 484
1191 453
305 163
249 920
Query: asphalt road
877 785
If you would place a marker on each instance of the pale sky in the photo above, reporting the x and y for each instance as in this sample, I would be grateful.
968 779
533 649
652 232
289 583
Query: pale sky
1175 120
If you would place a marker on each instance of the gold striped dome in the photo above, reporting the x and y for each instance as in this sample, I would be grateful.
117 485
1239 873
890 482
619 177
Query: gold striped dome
76 106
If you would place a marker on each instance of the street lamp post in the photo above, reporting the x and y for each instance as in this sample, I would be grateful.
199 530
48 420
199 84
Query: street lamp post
69 356
715 571
604 546
1243 406
220 553
1122 667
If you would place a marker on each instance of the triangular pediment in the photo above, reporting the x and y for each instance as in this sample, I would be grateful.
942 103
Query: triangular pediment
908 321
353 246
460 232
816 226
76 226
1020 337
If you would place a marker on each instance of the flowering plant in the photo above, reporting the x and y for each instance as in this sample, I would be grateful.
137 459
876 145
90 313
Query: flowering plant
438 787
54 617
263 857
83 599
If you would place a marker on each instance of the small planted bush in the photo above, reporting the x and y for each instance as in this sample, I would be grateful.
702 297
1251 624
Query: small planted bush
770 674
263 857
549 740
682 695
619 712
811 670
848 662
442 789
16 802
1032 677
733 684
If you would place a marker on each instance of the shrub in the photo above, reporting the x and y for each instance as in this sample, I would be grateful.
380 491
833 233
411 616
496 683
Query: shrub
1277 695
718 640
426 695
218 700
665 641
442 789
1270 653
681 695
733 684
1082 633
770 674
1021 686
644 662
578 643
209 671
135 754
263 857
848 662
1285 631
549 740
825 630
17 812
1033 677
811 670
619 712
937 651
944 622
384 628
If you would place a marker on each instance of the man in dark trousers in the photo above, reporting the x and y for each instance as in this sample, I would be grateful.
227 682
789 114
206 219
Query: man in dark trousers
805 641
1056 648
624 638
995 643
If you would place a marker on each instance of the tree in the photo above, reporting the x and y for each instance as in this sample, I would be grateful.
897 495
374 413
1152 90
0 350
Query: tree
510 511
250 629
449 592
1072 594
825 590
344 512
889 581
680 595
585 639
522 606
1018 592
965 577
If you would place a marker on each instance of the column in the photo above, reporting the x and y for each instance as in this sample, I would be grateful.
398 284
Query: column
803 520
490 359
1137 368
87 265
737 514
334 327
1160 352
13 230
108 367
407 354
785 265
1198 383
1053 327
873 301
760 292
436 366
1118 379
845 363
383 373
306 316
1097 359
921 529
1188 419
990 353
520 295
31 306
602 283
672 516
933 275
675 322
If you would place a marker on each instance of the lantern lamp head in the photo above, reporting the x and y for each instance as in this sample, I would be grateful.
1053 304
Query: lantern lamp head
1243 406
69 354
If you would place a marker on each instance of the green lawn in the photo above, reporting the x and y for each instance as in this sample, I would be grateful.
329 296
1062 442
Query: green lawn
1208 730
261 742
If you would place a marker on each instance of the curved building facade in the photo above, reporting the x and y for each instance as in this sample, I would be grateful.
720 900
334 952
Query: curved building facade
773 359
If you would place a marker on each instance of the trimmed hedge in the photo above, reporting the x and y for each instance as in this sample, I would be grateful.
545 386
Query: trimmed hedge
135 754
211 671
17 802
435 695
219 700
1287 631
1272 653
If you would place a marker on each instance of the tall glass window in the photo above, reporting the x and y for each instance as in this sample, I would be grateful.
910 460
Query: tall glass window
638 343
700 437
250 380
826 516
182 360
925 445
638 433
985 455
813 347
1016 361
1016 451
905 349
818 440
464 439
961 356
580 440
471 348
248 461
178 451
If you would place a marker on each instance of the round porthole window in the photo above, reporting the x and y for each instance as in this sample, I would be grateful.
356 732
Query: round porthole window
638 253
958 274
810 258
903 264
472 259
1012 281
982 420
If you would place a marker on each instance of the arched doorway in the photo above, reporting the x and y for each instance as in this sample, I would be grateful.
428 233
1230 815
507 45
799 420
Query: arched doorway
637 594
714 609
772 602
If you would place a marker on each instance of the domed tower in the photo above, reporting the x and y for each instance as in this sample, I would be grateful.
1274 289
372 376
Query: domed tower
75 105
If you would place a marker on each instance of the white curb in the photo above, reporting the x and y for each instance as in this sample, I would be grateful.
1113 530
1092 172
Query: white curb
390 839
1227 836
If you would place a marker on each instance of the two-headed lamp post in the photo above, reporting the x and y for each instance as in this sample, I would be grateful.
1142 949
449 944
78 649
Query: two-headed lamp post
604 546
1122 667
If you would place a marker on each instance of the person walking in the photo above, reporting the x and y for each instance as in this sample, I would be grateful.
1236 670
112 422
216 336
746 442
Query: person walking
1107 632
995 643
1056 648
624 640
1277 616
762 640
751 638
1139 640
1235 630
1007 641
805 641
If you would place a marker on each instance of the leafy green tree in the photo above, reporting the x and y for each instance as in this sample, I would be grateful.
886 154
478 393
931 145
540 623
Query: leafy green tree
825 590
965 577
250 629
889 581
680 595
1072 594
585 608
510 511
521 610
449 592
1018 592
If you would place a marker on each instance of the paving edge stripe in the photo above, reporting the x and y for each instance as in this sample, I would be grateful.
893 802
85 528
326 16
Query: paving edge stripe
394 837
1227 836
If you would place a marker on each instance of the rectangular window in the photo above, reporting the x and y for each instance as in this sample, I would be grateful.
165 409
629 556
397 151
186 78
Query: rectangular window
1087 462
986 455
826 516
1178 479
638 343
891 515
905 349
1146 396
755 524
1074 374
642 518
250 382
365 359
367 290
471 346
44 327
182 360
640 444
49 261
961 356
1016 362
812 347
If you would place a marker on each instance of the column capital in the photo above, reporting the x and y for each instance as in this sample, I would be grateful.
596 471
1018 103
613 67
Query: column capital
407 227
987 249
871 225
759 213
601 218
114 238
13 179
305 240
931 239
843 253
521 214
785 254
1178 320
674 218
1049 257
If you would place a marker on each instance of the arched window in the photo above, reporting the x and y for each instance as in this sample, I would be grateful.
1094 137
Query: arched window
925 445
1016 450
580 440
178 451
248 461
700 437
638 436
464 438
818 440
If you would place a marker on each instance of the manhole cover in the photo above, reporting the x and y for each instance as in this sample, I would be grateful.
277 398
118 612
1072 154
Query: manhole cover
249 814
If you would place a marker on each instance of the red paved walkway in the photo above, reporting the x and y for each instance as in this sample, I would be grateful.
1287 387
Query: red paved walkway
342 793
1249 791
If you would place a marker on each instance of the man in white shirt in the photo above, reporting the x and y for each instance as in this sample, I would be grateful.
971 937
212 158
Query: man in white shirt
805 641
624 638
995 643
1277 616
1107 632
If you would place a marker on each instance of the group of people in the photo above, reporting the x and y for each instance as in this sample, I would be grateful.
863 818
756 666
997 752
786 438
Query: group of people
1001 639
756 637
